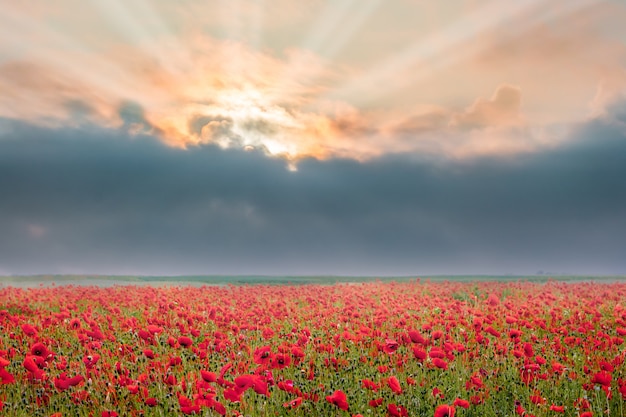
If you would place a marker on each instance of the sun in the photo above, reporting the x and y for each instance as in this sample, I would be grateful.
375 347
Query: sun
244 118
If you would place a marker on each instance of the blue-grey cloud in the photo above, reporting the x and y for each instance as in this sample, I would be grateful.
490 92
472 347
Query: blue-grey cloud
94 200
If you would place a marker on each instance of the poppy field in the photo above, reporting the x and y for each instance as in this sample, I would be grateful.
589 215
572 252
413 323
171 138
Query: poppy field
417 348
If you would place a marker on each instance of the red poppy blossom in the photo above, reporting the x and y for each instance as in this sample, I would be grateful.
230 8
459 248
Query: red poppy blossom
185 341
419 353
390 346
91 360
461 403
440 363
263 355
394 410
444 410
295 403
208 376
369 384
602 378
29 330
39 349
375 403
339 399
280 361
63 382
394 384
6 377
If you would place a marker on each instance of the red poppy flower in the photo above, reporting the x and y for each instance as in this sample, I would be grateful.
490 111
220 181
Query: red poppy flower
390 346
6 377
190 409
440 363
394 384
444 410
375 403
416 337
461 403
263 355
63 382
29 330
419 353
369 384
293 403
185 341
154 329
39 349
243 382
394 410
233 394
34 365
602 378
537 399
208 376
281 361
91 360
339 399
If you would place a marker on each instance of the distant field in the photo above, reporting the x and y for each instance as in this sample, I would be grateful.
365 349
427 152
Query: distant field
108 280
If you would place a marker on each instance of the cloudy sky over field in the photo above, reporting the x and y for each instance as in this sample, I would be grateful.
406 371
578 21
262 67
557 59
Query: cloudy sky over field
358 137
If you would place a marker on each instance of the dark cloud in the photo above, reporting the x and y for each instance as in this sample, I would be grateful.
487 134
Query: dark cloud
132 114
199 121
263 126
95 200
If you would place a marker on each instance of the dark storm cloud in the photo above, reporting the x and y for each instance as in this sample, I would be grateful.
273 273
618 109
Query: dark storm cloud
94 200
132 113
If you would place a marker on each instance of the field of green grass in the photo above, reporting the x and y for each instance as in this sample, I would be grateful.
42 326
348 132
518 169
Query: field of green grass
107 280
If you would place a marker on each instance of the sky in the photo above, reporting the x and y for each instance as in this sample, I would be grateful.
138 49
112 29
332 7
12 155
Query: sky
343 137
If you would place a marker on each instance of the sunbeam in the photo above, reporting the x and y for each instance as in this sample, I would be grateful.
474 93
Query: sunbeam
256 25
70 60
138 22
449 46
344 34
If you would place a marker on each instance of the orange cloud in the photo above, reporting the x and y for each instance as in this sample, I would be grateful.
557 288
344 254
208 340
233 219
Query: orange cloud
225 93
502 109
557 63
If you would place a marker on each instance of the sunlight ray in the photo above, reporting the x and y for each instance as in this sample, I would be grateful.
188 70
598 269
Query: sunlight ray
157 27
124 19
70 58
256 25
254 33
448 46
321 32
328 40
231 17
351 26
319 38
